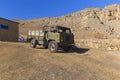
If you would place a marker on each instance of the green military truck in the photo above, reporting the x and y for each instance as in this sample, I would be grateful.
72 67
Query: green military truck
52 37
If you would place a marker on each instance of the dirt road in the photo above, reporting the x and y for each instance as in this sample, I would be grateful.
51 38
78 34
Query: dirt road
19 62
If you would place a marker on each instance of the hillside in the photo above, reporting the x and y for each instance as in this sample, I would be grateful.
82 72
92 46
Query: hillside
90 23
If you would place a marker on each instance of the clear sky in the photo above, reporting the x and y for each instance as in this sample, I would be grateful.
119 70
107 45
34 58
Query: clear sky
32 9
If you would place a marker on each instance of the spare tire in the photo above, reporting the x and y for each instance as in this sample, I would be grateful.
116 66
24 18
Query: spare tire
46 36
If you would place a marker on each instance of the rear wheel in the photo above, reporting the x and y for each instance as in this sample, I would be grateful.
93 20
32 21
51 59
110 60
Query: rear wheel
53 46
33 43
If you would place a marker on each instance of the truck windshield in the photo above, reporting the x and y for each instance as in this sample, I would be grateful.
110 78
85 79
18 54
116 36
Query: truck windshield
64 30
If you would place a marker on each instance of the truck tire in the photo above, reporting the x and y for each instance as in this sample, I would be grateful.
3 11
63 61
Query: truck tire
33 43
53 46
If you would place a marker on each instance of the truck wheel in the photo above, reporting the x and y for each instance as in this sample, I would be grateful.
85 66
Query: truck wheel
33 43
53 46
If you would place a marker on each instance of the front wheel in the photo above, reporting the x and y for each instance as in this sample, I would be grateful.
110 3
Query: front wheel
53 46
33 43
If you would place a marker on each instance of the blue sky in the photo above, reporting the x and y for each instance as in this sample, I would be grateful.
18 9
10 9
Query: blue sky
32 9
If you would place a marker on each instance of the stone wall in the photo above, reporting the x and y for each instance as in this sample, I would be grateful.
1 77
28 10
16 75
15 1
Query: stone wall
104 44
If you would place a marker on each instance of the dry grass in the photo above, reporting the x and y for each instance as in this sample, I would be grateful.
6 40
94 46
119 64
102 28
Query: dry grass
19 62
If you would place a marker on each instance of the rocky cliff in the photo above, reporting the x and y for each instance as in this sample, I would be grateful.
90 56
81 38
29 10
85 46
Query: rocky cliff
88 24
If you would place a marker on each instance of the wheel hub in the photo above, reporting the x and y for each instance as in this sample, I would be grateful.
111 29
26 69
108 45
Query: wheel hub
52 47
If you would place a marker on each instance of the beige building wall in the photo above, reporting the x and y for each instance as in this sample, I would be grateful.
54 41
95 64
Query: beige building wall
10 34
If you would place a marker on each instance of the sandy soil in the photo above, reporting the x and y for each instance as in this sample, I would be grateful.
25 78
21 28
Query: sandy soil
20 62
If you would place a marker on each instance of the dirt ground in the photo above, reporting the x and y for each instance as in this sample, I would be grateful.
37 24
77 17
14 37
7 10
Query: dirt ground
20 62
